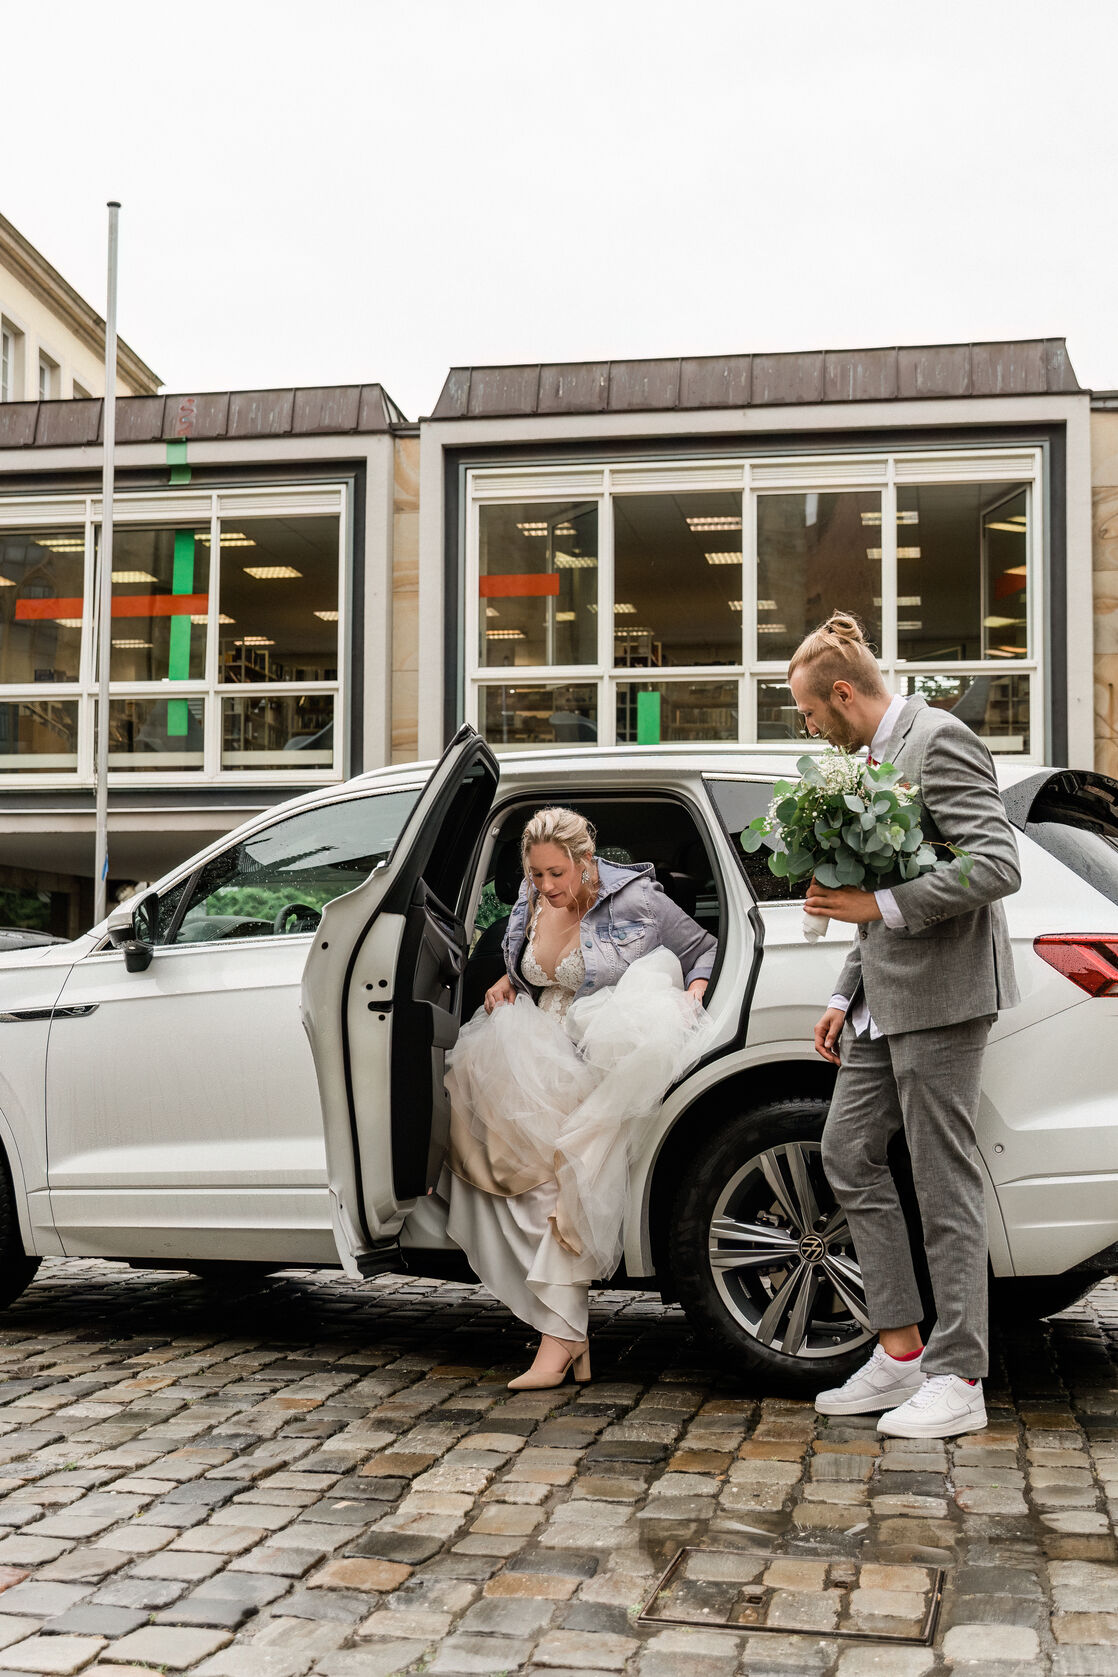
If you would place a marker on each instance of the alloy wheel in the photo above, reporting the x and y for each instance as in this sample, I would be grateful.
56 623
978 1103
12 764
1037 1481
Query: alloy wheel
782 1259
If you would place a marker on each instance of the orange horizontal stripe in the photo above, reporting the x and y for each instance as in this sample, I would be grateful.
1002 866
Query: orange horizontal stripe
504 587
124 605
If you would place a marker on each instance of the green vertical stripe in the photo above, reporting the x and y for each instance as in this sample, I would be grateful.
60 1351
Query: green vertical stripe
178 651
648 718
176 459
178 719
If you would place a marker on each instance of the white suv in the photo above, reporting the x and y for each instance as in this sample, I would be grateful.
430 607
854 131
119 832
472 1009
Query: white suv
158 1099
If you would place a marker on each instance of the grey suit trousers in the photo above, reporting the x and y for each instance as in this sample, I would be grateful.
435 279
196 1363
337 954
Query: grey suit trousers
926 1083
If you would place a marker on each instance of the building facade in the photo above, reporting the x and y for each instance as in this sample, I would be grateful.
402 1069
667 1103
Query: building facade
252 650
52 343
627 552
307 585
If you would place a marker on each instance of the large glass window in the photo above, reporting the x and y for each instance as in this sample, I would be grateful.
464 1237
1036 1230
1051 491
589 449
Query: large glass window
651 711
777 716
816 553
38 736
711 588
277 730
677 579
161 600
962 571
42 586
538 585
279 599
155 733
224 634
997 706
537 715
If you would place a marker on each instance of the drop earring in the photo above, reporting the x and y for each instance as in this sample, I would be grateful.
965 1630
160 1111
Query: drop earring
585 877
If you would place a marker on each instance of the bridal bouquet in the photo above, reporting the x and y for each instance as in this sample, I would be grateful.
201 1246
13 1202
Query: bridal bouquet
848 824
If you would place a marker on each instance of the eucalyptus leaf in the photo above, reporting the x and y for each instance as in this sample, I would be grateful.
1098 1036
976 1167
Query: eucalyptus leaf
850 870
826 875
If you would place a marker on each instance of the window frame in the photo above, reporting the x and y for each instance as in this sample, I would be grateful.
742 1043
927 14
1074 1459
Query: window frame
883 471
172 509
50 371
188 874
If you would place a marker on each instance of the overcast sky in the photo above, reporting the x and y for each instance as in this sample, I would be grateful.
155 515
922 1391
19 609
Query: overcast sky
357 190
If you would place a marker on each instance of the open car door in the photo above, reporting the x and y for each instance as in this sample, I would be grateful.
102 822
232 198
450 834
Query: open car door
382 994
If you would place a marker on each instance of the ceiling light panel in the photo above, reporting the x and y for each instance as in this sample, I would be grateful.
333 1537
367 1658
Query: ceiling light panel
270 573
729 558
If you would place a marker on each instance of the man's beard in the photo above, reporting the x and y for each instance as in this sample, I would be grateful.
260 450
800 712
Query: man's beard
833 728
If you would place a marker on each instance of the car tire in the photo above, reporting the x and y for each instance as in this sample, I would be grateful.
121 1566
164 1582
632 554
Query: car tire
759 1253
17 1270
1032 1297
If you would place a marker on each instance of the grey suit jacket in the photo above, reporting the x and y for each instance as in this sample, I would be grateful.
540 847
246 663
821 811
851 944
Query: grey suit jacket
952 960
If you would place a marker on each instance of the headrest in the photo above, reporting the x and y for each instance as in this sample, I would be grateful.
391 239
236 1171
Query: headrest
508 871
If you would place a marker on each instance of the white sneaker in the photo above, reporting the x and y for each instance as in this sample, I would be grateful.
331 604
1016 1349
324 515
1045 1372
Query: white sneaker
877 1385
943 1407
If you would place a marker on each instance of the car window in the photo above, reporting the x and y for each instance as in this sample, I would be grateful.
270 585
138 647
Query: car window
739 802
278 881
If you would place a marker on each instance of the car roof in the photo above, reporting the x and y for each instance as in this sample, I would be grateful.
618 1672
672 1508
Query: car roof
570 764
716 757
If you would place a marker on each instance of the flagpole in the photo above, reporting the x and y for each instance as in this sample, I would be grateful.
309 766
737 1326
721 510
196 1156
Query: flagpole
104 594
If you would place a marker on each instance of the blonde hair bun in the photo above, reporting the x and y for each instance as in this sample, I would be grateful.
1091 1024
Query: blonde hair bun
838 651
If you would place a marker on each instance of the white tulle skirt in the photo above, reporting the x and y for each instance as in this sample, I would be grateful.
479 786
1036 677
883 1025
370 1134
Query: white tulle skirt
548 1108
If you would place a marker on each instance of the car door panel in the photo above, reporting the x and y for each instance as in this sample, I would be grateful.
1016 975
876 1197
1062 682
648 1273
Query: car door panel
381 998
183 1110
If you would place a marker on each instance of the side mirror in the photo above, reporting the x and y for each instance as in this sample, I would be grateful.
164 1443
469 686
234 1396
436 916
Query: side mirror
132 929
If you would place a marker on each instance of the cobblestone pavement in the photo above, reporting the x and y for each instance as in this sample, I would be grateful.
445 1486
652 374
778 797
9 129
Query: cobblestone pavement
319 1477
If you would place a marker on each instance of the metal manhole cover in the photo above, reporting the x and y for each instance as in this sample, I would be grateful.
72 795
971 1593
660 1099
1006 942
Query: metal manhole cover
816 1595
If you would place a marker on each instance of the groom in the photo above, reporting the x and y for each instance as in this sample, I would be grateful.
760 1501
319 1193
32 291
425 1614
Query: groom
930 968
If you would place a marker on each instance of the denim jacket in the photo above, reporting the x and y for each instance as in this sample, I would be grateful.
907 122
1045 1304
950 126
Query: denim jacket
631 917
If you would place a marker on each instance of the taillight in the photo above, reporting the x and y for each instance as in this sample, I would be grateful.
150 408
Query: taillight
1088 959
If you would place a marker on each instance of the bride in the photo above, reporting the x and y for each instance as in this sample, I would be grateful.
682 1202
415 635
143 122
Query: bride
599 1012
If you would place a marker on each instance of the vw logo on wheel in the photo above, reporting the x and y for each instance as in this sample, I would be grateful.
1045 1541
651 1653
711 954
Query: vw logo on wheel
812 1249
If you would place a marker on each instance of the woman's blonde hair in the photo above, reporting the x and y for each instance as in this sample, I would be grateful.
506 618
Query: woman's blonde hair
838 651
563 827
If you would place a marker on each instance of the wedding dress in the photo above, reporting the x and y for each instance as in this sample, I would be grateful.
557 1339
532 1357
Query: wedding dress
545 1098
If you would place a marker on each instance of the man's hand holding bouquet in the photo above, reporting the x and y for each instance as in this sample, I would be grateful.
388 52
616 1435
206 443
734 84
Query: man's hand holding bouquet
848 824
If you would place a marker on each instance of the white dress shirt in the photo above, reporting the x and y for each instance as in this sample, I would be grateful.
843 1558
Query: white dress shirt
861 1019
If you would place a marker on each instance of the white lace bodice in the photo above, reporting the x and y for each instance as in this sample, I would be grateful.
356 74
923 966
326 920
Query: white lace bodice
556 994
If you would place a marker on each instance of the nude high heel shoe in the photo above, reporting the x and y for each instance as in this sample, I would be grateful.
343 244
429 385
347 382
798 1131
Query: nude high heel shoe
577 1364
